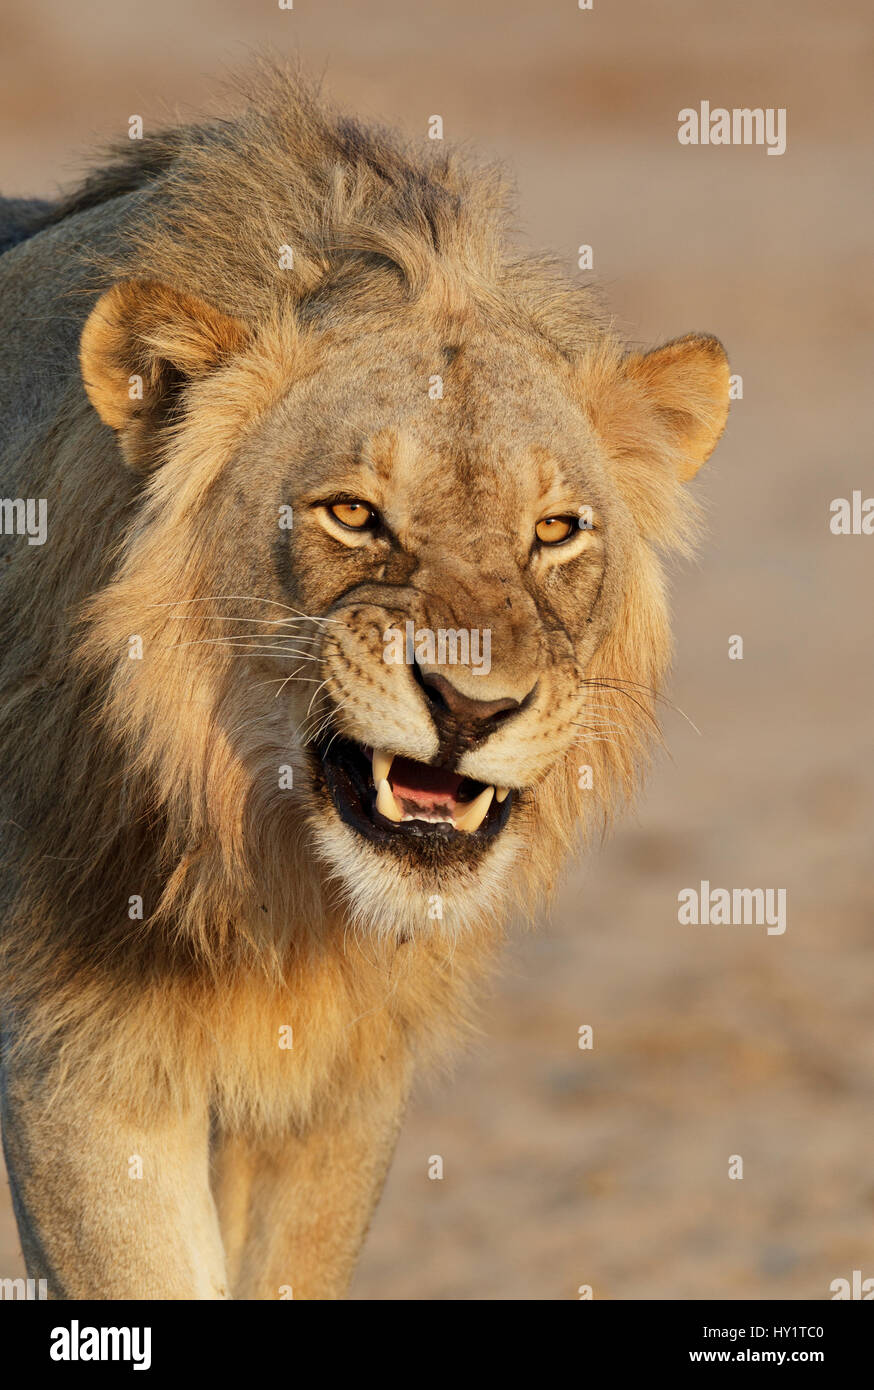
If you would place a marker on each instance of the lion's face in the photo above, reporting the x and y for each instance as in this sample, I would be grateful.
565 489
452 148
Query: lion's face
419 546
457 554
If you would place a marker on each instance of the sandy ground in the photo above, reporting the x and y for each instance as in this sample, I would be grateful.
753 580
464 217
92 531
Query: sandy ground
610 1167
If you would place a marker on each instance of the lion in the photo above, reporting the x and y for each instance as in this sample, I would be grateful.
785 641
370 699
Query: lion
287 390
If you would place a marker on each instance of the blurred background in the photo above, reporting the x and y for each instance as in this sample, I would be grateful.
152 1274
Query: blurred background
609 1167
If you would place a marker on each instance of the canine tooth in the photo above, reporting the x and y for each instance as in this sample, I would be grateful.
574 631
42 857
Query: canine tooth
381 766
501 793
386 804
473 815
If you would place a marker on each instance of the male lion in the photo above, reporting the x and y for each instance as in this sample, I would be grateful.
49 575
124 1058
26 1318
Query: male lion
352 562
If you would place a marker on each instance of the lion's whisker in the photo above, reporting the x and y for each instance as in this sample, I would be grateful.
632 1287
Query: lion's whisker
283 680
315 693
244 598
293 676
261 622
609 683
240 651
323 722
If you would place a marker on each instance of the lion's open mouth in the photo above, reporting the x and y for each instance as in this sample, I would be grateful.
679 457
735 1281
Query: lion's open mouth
399 800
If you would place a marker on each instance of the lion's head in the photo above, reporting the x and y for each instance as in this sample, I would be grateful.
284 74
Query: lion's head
396 574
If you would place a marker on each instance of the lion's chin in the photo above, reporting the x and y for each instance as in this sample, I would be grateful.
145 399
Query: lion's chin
430 813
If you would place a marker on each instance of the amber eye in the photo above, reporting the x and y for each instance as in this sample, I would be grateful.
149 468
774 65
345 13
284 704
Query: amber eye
358 516
552 530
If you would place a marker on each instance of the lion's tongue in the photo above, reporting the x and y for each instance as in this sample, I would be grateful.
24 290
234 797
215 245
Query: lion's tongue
408 790
422 787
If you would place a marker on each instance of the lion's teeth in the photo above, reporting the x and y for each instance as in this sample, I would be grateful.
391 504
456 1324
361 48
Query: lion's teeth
386 804
501 793
381 766
473 815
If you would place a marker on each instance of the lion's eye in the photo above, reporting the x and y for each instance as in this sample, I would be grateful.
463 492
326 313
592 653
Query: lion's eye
358 516
552 530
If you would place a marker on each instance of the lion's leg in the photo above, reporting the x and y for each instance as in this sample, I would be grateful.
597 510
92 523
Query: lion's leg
295 1210
108 1208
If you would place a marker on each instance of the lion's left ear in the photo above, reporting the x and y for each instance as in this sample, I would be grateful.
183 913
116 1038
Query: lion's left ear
685 384
143 342
666 407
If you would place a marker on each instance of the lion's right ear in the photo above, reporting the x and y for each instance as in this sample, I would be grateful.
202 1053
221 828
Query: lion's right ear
142 344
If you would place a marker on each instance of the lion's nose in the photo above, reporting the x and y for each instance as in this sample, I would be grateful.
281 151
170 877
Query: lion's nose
484 715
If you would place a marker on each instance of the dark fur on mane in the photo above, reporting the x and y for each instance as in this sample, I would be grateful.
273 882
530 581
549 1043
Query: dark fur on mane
354 203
